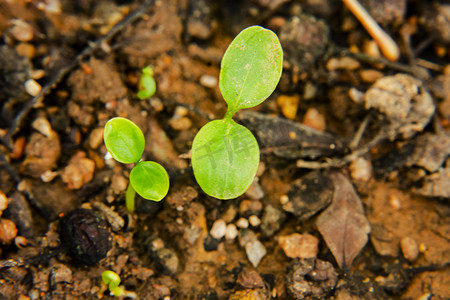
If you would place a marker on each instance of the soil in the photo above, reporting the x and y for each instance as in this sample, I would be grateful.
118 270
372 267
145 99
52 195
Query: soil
351 199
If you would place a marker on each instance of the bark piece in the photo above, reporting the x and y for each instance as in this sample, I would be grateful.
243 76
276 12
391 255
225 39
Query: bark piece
289 139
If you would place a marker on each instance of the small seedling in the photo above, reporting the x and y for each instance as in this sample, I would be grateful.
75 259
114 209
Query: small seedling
125 142
225 155
111 281
147 84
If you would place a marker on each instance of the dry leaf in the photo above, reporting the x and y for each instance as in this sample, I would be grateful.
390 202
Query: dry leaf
343 224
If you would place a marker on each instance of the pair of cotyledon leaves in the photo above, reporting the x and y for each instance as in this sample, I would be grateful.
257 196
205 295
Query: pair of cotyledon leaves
225 155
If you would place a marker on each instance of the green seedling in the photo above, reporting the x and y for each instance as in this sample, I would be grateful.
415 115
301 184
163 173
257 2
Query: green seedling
225 155
147 84
125 142
111 281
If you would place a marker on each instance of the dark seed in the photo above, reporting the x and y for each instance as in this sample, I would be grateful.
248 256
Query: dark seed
86 235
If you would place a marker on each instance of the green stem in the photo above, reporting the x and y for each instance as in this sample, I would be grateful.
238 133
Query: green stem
130 195
230 113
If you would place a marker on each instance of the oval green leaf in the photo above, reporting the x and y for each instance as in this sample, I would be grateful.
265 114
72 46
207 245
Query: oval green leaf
225 157
251 68
124 140
150 180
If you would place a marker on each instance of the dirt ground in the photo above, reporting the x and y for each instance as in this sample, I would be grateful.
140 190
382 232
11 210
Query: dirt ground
351 198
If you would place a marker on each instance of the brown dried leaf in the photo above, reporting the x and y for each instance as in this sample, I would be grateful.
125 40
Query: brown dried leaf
343 224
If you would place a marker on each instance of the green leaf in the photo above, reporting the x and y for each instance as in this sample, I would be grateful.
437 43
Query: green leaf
147 84
124 140
225 157
251 68
150 180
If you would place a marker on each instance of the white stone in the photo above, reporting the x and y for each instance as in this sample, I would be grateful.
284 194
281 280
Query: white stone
208 81
231 232
218 229
32 87
255 252
254 220
242 223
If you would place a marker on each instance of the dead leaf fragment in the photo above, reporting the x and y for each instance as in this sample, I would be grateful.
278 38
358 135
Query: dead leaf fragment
343 224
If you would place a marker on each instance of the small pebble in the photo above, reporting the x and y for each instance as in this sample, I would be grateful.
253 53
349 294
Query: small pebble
356 95
254 220
370 76
157 244
156 104
410 249
96 138
37 74
261 169
48 176
284 199
119 183
8 231
3 202
26 50
229 214
361 169
60 274
255 191
371 48
18 147
289 105
255 252
218 229
250 207
313 118
299 245
32 87
345 63
180 111
271 220
182 123
394 202
79 171
231 232
21 30
43 126
250 279
242 223
208 81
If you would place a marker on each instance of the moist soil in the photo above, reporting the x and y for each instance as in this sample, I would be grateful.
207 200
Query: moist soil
351 198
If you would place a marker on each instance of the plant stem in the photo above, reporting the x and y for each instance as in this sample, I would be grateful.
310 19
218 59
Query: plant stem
130 195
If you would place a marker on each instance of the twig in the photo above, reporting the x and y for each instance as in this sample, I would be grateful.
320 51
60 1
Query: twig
5 164
417 72
387 45
339 162
362 127
130 18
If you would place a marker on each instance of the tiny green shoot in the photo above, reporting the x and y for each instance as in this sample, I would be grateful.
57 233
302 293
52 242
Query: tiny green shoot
225 155
111 281
147 84
125 142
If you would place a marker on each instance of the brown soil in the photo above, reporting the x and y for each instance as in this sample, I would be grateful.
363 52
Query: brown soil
351 200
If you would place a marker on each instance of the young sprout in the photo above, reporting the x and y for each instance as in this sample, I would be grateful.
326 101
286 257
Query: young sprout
147 84
225 155
387 45
111 281
125 142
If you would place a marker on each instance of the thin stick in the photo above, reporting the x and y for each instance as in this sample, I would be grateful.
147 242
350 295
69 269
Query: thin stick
340 162
130 18
387 45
